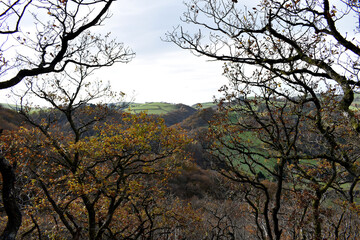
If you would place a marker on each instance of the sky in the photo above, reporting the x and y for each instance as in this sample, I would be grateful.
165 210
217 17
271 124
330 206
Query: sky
161 71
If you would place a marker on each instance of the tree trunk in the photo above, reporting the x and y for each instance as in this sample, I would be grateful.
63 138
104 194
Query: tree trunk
317 220
9 200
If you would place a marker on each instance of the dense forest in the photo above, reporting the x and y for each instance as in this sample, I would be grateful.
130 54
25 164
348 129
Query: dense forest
276 157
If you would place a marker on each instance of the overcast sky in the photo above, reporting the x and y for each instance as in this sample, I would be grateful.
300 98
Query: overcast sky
160 71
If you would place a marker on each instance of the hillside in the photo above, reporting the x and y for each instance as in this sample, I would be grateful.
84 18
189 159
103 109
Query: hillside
172 113
199 119
204 105
178 115
188 117
9 119
153 107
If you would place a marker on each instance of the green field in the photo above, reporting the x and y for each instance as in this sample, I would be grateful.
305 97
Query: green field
356 99
204 105
9 106
152 108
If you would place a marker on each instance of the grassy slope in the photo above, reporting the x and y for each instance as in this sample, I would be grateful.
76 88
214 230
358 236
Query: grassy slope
8 106
356 99
152 108
204 105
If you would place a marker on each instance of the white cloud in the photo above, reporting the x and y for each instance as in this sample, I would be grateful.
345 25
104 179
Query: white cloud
176 77
160 71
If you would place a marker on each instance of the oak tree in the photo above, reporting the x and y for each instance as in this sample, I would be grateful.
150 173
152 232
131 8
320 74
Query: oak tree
42 37
90 170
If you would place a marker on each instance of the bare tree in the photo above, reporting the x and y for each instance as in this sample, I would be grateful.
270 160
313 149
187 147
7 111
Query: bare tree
287 169
293 73
11 15
285 39
50 44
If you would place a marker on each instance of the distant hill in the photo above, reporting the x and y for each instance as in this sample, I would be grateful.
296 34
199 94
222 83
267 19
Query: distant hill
172 113
8 106
179 114
9 119
199 119
189 117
